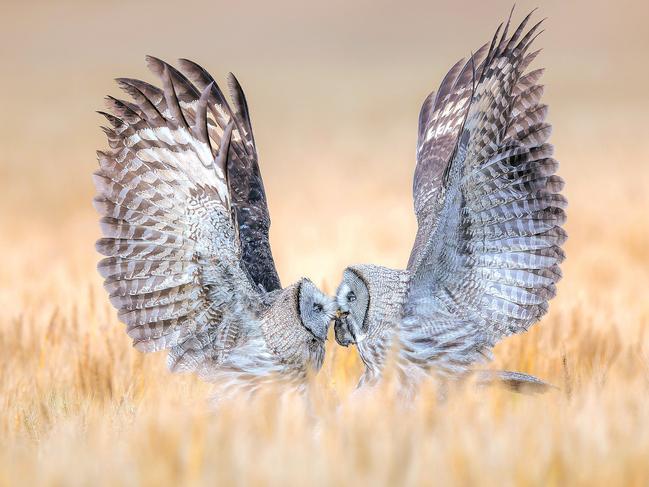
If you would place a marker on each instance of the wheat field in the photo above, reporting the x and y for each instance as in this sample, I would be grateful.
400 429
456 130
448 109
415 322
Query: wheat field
334 91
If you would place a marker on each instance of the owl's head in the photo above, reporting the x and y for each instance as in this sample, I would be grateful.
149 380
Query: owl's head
368 298
353 300
316 309
296 326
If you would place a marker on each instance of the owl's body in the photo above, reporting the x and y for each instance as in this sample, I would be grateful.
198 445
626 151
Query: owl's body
485 261
293 346
268 347
185 226
387 290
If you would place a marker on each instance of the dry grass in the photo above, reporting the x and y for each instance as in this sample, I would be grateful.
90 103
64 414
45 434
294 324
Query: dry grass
78 406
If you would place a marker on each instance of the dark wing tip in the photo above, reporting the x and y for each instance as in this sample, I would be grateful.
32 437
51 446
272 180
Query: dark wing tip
233 82
155 65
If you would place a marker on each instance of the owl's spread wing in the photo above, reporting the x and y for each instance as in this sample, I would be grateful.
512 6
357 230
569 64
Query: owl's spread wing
489 261
246 184
174 267
440 121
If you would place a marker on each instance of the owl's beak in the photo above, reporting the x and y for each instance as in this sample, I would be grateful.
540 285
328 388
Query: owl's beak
343 334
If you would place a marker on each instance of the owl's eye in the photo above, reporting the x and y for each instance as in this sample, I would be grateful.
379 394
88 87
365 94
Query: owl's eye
351 297
317 307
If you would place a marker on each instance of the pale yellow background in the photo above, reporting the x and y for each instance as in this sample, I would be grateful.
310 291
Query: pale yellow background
334 88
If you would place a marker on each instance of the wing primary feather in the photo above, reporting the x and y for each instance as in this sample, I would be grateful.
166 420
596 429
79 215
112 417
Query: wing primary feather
529 37
528 59
185 90
424 114
448 81
125 110
517 33
145 104
447 169
172 99
200 123
461 78
202 78
153 93
112 119
528 42
492 50
503 36
241 107
221 160
244 179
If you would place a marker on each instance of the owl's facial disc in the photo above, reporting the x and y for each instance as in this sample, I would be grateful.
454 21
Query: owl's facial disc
353 301
316 309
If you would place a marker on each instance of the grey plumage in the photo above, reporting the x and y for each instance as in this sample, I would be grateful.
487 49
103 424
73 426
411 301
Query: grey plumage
185 223
489 208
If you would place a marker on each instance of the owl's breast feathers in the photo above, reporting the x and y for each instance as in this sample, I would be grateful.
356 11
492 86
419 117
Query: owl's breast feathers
287 339
388 289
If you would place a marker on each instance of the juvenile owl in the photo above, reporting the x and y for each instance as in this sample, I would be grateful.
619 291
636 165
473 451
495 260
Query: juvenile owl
485 260
185 223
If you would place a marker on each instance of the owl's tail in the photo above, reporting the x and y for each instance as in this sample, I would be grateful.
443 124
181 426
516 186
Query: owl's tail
515 381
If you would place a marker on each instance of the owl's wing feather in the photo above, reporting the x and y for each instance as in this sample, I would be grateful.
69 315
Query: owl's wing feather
488 260
173 266
246 184
440 121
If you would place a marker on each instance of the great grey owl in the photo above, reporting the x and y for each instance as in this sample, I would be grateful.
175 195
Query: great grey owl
185 224
489 209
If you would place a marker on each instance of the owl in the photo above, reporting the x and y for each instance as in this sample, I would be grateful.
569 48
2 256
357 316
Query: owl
489 208
184 218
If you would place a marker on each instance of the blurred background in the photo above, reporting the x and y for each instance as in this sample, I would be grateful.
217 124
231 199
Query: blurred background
335 89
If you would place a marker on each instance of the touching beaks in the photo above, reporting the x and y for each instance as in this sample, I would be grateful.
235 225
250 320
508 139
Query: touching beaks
341 314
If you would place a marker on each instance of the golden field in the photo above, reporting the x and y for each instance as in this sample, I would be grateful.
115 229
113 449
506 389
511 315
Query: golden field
334 93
